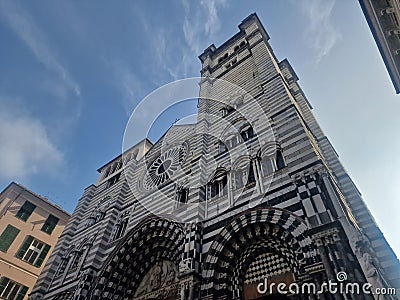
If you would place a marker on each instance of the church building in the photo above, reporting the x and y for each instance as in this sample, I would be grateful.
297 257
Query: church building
252 193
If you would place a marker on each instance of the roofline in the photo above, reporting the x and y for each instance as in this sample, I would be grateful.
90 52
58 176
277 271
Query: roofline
115 158
44 199
216 50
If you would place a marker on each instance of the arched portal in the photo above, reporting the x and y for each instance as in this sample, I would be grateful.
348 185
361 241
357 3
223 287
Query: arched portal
144 264
261 243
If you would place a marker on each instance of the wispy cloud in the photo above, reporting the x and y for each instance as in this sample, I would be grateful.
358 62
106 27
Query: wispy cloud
201 21
29 32
127 83
321 34
201 24
25 147
212 23
173 52
162 44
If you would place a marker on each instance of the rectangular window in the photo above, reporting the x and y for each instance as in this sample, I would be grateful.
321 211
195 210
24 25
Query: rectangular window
113 180
33 251
7 237
50 224
182 195
25 211
11 290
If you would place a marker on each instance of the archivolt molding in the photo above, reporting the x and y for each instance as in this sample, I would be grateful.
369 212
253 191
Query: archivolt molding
268 149
284 231
241 162
152 240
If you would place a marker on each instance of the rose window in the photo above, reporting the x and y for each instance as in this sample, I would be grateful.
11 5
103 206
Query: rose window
164 166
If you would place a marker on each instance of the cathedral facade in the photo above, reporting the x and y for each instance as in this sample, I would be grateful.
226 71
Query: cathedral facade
250 197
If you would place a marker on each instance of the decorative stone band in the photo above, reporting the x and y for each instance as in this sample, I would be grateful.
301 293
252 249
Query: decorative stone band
273 229
152 240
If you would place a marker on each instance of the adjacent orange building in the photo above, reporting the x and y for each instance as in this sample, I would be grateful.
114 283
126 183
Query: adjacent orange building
30 226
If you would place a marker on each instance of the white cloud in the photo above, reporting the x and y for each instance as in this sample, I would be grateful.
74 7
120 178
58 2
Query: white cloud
201 23
191 31
127 83
161 42
25 147
321 34
28 31
212 23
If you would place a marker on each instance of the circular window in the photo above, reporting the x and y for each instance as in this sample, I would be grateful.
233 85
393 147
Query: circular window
164 166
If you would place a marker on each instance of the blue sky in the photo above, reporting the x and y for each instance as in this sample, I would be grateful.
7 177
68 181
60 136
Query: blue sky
73 71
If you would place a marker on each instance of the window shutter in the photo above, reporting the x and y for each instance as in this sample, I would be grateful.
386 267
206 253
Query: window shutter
25 246
25 211
22 293
50 224
7 237
42 256
3 284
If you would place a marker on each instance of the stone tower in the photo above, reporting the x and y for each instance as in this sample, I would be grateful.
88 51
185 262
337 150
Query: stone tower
253 191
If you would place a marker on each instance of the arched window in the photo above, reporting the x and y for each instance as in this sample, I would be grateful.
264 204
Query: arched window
247 132
232 142
218 186
272 162
77 259
226 110
267 165
182 194
222 147
244 175
252 178
63 265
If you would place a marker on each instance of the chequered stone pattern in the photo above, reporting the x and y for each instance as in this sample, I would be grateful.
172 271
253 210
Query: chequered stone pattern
153 240
265 264
269 228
